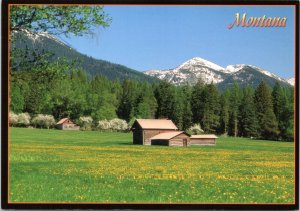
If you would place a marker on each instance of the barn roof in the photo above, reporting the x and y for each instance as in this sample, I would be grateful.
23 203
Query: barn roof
62 121
167 136
204 136
156 124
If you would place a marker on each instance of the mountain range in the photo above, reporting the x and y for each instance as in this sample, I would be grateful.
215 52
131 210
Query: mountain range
197 68
188 72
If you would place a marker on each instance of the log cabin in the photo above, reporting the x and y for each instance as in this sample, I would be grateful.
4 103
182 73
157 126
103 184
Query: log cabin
66 124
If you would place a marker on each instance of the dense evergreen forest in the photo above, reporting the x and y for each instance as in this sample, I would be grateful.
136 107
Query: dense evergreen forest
60 89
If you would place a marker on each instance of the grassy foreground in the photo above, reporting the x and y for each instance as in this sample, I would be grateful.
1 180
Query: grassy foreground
77 166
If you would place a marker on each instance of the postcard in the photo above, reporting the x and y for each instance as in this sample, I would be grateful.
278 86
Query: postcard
150 106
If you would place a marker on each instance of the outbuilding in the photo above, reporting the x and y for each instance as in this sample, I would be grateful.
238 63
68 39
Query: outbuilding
144 129
207 139
178 138
66 124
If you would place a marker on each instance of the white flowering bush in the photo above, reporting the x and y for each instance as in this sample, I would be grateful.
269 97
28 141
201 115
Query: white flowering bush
43 121
86 122
23 119
195 129
13 119
113 125
104 125
118 124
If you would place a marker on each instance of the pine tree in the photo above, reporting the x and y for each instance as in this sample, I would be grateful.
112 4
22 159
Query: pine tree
211 109
197 102
248 124
224 112
234 103
127 101
146 102
283 110
268 125
165 98
187 116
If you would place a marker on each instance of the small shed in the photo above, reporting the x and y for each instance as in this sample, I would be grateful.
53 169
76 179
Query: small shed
66 124
207 139
178 138
144 129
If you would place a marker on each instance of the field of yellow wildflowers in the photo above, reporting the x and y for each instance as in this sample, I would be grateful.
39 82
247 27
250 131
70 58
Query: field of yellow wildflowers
77 166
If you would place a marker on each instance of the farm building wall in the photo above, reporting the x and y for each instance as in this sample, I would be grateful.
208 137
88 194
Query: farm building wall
180 140
70 127
202 141
138 136
141 136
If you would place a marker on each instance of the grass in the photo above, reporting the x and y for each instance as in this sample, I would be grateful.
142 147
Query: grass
77 166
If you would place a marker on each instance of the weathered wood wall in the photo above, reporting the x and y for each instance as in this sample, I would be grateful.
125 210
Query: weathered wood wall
179 140
202 141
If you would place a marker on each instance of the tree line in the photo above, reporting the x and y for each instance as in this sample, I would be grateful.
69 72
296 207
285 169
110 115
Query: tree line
59 89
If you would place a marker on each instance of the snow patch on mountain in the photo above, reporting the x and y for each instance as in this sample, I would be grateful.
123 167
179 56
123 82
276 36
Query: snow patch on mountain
38 36
291 81
234 68
267 73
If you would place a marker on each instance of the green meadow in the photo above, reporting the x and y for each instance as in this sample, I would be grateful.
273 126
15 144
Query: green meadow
90 166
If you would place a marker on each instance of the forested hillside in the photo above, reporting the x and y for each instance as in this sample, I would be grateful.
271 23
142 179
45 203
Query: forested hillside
43 43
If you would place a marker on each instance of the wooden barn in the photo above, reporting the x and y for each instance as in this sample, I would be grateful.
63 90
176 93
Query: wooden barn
144 129
208 139
66 124
178 138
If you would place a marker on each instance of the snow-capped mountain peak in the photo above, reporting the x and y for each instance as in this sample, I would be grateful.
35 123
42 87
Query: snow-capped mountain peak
197 68
199 61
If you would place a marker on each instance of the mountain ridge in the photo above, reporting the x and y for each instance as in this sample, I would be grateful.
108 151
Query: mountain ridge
192 70
40 42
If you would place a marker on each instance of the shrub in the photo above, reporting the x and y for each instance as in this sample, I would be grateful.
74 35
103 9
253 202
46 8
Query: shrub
195 130
118 125
23 119
86 122
104 125
113 125
43 121
13 119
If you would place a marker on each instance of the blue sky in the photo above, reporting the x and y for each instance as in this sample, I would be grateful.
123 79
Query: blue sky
163 37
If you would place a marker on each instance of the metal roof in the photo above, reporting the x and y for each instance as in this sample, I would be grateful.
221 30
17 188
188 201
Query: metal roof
166 136
204 136
156 124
